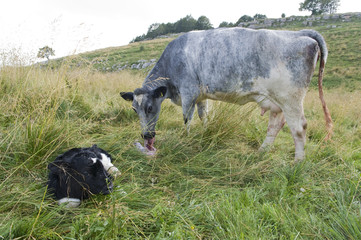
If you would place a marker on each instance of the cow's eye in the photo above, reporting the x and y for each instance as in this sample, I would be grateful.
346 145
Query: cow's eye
149 109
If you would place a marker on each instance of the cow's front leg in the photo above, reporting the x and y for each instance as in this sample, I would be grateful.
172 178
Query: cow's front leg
188 110
202 108
275 124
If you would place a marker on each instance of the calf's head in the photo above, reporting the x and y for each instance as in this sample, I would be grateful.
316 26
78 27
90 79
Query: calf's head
77 174
147 103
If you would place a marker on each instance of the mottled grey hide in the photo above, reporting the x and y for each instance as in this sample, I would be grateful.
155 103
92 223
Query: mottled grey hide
236 65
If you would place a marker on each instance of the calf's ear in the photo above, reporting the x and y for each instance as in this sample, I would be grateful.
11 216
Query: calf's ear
160 92
129 96
58 166
96 168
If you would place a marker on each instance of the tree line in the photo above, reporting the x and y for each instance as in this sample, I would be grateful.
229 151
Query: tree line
185 24
188 23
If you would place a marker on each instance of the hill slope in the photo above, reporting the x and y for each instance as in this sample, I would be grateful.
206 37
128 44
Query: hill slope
209 184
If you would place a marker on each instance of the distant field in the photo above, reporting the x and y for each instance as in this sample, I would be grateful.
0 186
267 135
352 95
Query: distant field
212 184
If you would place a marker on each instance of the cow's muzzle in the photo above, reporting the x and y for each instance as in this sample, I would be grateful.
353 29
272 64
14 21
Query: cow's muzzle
148 135
149 139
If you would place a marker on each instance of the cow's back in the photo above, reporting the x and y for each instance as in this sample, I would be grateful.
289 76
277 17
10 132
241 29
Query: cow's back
222 60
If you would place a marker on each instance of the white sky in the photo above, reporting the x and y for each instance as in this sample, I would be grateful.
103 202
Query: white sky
73 26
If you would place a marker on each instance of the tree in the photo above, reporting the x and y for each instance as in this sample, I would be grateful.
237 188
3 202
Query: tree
46 52
331 6
259 16
185 24
203 23
225 24
283 15
244 18
155 30
320 6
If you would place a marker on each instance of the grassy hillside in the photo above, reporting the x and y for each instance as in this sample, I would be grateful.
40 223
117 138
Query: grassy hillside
104 60
212 184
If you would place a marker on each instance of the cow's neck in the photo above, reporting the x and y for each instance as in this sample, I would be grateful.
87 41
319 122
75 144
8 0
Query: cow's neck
157 78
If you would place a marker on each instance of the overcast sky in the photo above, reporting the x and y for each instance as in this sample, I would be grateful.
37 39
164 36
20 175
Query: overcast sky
73 26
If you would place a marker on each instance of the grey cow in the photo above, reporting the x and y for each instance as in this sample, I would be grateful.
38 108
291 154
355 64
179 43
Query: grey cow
236 65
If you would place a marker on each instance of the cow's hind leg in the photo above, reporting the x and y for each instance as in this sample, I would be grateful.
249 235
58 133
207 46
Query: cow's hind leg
275 124
202 108
297 123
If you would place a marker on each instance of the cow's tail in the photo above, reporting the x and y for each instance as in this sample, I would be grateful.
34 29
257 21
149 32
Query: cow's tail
324 53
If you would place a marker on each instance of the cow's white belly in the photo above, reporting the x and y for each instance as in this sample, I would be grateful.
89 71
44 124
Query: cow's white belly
231 97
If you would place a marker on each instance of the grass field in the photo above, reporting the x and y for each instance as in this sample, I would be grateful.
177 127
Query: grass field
212 184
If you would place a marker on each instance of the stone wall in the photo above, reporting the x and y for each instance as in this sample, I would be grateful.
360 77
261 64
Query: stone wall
305 21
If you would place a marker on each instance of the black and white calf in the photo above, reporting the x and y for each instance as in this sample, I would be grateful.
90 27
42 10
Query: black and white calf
79 173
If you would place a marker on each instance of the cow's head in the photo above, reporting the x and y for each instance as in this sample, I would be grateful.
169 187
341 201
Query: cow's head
77 174
146 103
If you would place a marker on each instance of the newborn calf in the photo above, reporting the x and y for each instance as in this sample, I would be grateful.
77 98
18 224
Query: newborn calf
79 173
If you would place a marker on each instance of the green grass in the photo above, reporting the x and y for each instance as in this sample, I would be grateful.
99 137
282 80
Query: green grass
212 184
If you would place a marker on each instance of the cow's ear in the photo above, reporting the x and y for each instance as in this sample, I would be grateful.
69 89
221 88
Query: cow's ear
129 96
160 92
